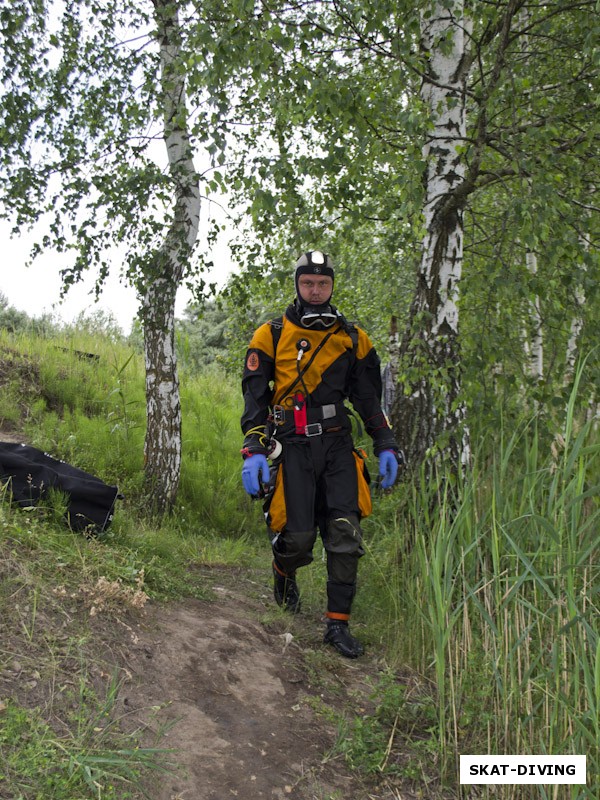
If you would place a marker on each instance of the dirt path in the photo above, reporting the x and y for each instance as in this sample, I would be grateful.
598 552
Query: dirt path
239 704
247 708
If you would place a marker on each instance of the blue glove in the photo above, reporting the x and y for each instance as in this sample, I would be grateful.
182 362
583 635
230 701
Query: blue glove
388 468
253 466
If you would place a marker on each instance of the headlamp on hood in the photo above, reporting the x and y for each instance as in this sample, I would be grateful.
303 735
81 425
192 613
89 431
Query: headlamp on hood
314 262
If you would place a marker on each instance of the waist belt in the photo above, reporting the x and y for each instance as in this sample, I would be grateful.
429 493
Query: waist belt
314 416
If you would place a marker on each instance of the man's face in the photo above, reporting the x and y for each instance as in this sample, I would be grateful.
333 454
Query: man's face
315 289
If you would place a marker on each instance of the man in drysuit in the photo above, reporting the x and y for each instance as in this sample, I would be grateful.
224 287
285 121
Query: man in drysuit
299 370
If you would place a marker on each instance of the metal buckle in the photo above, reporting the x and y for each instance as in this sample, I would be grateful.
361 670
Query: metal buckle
314 429
279 415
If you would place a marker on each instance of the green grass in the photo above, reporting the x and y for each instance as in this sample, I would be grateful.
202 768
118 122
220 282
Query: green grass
93 759
486 601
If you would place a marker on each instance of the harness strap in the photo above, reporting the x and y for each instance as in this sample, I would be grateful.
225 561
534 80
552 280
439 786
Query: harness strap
314 413
283 419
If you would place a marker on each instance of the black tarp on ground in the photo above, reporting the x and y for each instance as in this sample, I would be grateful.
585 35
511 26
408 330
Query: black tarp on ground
28 473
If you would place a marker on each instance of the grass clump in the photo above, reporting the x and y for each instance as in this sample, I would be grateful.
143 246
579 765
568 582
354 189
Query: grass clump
93 759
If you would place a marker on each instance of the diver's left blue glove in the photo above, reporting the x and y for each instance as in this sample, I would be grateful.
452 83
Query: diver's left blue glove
388 468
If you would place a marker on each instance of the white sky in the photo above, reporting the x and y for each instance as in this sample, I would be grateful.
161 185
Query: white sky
36 289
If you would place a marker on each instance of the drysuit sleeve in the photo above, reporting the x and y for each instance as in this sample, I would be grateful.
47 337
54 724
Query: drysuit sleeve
259 371
365 395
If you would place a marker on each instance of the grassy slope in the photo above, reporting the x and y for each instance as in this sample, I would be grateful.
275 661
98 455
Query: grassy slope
493 602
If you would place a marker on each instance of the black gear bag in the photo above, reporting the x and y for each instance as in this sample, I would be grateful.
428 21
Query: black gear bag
28 473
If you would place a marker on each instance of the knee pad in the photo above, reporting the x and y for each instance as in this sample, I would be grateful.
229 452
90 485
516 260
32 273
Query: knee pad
343 544
293 549
344 536
342 568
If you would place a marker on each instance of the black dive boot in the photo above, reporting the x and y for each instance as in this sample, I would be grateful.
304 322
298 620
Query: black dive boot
286 591
338 636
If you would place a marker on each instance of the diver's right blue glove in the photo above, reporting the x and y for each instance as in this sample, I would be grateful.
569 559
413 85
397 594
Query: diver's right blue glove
388 468
253 467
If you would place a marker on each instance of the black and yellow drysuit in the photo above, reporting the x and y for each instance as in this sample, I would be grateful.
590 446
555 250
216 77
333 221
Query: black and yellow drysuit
318 480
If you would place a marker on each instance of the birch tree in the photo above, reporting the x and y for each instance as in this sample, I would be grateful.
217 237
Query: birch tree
88 89
162 452
534 343
429 411
355 78
375 130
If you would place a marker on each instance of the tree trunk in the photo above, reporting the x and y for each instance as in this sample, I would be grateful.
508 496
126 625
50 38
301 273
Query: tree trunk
535 352
576 326
534 347
572 344
428 413
162 448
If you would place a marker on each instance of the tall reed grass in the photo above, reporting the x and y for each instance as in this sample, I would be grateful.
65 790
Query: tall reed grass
497 600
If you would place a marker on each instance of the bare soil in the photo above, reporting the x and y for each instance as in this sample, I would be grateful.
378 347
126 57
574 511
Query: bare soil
246 705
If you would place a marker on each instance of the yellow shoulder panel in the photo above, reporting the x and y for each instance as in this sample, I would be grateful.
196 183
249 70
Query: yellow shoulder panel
365 345
263 340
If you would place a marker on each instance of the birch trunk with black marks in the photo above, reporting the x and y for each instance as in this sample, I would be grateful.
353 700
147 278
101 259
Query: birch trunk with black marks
576 326
535 350
534 346
429 415
572 344
162 447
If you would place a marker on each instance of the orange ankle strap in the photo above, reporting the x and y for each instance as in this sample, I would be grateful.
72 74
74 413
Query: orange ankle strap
336 616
